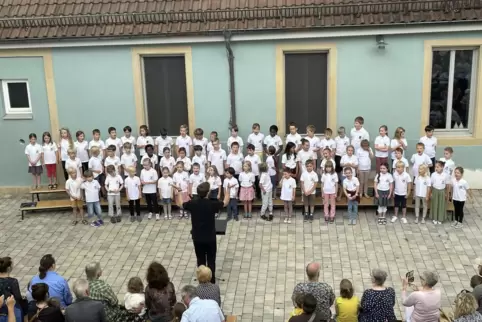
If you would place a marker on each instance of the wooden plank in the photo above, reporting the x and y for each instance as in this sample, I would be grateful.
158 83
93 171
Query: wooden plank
49 204
230 318
45 190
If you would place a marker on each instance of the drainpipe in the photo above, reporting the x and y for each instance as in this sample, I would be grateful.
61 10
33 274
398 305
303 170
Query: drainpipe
232 92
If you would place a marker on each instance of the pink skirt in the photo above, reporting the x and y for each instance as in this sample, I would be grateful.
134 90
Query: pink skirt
246 194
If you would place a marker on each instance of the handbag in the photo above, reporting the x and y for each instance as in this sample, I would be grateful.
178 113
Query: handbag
445 315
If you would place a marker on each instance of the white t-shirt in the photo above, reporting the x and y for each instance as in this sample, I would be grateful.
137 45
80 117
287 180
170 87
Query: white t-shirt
201 160
34 152
214 182
162 143
144 140
382 142
181 180
216 159
304 156
246 179
449 167
233 191
167 163
149 176
132 185
255 161
235 161
430 145
257 141
357 136
287 187
295 138
351 185
289 161
314 144
50 153
349 159
203 142
131 139
75 164
92 190
73 188
99 143
95 164
394 144
112 183
385 180
341 144
82 149
195 180
405 162
421 185
187 163
274 141
184 142
128 160
115 161
232 139
165 187
364 159
115 142
327 143
64 146
401 182
459 189
417 160
324 161
265 182
210 147
153 159
438 180
329 182
309 179
271 166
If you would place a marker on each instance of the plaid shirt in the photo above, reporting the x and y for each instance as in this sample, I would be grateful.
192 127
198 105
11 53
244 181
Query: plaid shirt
101 291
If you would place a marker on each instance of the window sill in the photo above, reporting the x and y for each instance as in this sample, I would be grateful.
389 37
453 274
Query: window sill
458 140
22 116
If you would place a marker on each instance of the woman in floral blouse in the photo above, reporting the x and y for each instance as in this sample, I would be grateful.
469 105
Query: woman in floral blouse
160 294
466 309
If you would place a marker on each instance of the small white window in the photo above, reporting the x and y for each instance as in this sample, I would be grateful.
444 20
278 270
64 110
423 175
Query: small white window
16 97
452 95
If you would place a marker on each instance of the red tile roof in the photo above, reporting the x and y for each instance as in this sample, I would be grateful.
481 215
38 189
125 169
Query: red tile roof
54 19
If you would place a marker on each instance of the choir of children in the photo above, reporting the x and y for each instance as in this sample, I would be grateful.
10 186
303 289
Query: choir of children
104 169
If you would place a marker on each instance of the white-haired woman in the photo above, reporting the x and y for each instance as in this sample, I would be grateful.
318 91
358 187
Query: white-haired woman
466 309
377 302
425 300
207 290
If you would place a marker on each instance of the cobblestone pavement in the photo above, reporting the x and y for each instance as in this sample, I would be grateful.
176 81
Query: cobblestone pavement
258 262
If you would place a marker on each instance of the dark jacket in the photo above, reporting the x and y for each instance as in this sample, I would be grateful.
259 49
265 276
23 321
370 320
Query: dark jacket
48 314
85 310
203 220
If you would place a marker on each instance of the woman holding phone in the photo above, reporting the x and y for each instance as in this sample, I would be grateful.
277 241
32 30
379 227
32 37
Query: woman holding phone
425 300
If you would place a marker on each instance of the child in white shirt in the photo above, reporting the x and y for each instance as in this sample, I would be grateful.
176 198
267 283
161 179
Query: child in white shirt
165 185
304 155
358 133
350 159
181 186
288 189
383 192
143 140
64 144
74 162
34 153
273 140
256 138
167 161
114 140
162 141
150 155
217 157
402 189
328 142
382 145
96 141
235 159
135 297
91 189
313 146
182 157
200 159
293 136
195 179
113 185
231 186
419 158
133 192
438 194
430 143
112 159
422 191
398 142
201 141
128 137
128 159
364 156
235 138
82 148
308 181
95 165
246 181
460 191
449 166
73 188
50 159
149 180
255 161
215 184
329 191
290 161
266 192
341 143
351 189
272 169
399 158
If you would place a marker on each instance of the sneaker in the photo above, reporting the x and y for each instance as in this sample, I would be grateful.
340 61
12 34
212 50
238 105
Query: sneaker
149 216
113 220
95 224
332 220
404 220
459 225
139 218
326 219
289 221
158 217
236 218
394 218
118 218
350 222
264 217
423 221
270 218
133 218
305 217
455 223
286 220
169 217
354 222
416 220
434 222
311 217
439 222
100 221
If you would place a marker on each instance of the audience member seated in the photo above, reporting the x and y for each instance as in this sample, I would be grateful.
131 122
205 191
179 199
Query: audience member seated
347 304
207 290
135 298
43 308
9 286
377 303
10 305
178 311
476 285
325 297
58 286
160 294
84 309
425 300
298 309
199 310
309 313
101 291
466 309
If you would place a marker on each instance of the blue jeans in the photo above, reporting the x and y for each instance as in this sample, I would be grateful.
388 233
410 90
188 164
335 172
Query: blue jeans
352 209
233 208
93 208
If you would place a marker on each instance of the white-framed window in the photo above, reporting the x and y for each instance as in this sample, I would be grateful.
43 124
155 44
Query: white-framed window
16 97
453 87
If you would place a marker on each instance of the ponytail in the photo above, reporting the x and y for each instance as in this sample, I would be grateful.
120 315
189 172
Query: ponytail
46 263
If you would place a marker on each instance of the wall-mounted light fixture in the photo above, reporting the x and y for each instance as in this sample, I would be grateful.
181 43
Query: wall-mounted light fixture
381 44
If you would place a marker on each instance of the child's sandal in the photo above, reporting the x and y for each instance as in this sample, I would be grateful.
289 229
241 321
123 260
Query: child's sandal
54 186
50 186
74 222
85 222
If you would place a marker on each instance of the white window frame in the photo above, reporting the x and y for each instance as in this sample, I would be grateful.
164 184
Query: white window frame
6 98
448 131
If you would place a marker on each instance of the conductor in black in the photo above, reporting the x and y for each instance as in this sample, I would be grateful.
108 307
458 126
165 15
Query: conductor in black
203 230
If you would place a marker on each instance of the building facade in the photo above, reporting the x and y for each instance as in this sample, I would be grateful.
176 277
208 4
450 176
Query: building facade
407 75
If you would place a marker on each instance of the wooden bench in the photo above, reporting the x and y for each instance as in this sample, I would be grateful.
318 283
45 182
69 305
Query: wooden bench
45 190
46 205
